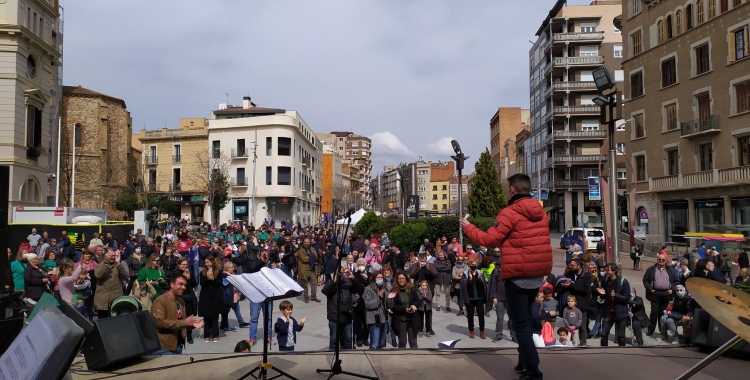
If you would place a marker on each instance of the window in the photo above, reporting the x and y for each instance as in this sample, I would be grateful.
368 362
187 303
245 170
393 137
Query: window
660 30
588 51
668 72
622 174
635 42
33 127
670 111
177 153
355 144
742 91
689 17
743 144
617 31
738 46
636 84
434 187
618 51
445 187
269 146
702 62
30 66
699 6
434 197
241 148
30 191
669 28
705 155
589 125
620 148
241 179
640 131
588 27
216 148
586 173
736 3
176 179
284 146
635 7
672 164
269 175
434 206
640 168
152 178
711 9
678 22
724 5
78 131
445 196
284 176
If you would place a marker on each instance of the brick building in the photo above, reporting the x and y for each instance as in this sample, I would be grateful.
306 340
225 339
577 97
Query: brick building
105 162
505 125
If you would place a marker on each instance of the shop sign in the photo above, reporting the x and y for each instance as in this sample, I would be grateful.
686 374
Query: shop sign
713 203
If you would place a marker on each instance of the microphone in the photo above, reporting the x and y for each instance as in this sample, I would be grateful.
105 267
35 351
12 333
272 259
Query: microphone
350 212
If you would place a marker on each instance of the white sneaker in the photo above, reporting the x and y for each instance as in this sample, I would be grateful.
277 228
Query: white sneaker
675 342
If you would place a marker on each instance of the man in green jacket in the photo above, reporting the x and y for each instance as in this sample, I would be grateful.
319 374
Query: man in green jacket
307 264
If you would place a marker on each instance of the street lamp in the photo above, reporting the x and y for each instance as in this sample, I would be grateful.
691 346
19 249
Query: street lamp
607 99
459 158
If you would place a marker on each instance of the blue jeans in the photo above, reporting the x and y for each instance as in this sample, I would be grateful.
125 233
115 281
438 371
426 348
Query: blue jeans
178 351
378 334
519 312
287 270
346 337
238 313
255 309
78 255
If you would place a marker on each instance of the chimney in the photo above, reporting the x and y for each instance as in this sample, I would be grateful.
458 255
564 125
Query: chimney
247 103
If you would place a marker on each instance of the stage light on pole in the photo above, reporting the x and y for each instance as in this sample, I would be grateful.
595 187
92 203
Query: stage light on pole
603 80
459 158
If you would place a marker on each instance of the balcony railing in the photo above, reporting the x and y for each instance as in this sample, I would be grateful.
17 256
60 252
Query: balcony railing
305 162
177 158
566 61
152 160
567 183
699 178
239 182
175 186
576 159
701 126
151 187
584 110
574 86
738 174
662 183
586 36
578 134
239 152
216 153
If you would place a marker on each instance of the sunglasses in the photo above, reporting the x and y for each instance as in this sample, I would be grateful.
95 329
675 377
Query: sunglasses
660 260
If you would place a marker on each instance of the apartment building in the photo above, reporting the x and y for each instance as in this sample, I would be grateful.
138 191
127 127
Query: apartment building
357 151
98 128
687 75
505 124
284 181
174 165
565 135
31 90
454 193
521 158
440 174
331 198
390 196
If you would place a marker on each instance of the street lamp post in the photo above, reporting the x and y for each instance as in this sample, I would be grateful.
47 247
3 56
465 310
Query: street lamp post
459 158
607 101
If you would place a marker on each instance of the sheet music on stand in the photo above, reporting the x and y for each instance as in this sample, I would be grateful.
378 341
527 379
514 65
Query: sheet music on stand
40 351
265 285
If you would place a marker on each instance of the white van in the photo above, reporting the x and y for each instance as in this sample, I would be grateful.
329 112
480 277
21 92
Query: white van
593 236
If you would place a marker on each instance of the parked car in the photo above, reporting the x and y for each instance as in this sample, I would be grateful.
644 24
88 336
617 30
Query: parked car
573 236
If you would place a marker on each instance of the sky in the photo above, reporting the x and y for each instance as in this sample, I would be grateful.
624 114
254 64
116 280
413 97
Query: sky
410 74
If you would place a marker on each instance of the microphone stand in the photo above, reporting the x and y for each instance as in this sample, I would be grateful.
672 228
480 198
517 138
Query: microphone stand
336 365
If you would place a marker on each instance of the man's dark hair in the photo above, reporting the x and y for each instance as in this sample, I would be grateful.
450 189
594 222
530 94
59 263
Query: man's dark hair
175 276
521 182
578 261
613 267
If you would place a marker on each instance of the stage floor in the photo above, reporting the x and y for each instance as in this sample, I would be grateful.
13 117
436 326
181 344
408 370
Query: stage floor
614 363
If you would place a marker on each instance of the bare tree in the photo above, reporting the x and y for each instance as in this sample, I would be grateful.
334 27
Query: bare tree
212 179
342 196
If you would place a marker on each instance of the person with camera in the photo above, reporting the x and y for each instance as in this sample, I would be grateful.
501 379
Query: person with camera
188 295
402 305
349 289
109 275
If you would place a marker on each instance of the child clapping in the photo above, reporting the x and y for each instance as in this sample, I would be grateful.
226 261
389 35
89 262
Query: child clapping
573 318
286 327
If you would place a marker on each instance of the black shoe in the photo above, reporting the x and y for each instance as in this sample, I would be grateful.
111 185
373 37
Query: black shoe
650 332
243 325
366 343
497 338
520 368
523 377
393 342
591 336
190 339
359 343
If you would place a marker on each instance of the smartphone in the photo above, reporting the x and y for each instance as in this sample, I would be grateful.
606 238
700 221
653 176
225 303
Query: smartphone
466 216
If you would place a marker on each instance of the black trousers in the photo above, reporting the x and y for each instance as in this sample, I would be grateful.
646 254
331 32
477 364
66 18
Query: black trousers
225 317
478 307
423 323
607 322
658 305
637 330
361 331
582 331
211 328
406 332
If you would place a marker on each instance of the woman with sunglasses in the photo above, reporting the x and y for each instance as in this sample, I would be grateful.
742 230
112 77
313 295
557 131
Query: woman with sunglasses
152 274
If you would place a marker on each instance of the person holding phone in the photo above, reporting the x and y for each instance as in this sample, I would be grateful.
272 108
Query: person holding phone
109 275
402 304
152 274
211 300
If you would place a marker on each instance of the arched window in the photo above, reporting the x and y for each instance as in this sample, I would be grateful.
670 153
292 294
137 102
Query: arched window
699 8
678 22
689 17
30 191
711 9
669 32
660 30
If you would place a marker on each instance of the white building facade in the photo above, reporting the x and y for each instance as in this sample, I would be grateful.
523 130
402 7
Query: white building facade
282 180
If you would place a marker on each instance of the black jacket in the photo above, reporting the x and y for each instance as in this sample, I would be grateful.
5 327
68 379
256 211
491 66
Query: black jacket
348 291
648 280
496 285
250 263
203 253
147 250
426 273
639 312
743 260
682 306
34 285
580 287
444 272
169 264
397 261
398 307
622 296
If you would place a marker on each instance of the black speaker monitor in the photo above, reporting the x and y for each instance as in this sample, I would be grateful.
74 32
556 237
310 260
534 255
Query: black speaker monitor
120 338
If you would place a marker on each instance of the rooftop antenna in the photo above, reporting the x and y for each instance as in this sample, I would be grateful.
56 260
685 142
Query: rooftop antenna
227 98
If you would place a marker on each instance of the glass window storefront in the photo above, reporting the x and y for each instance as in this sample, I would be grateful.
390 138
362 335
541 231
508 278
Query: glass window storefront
676 220
709 214
741 210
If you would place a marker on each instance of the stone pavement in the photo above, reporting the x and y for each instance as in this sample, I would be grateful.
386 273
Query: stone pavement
447 326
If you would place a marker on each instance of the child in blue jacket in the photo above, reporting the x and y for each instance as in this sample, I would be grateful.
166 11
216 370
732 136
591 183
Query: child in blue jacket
286 327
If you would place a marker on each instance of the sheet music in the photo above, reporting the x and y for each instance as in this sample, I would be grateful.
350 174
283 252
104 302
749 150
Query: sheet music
266 283
283 282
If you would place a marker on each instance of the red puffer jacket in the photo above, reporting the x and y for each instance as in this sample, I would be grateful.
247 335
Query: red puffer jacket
522 232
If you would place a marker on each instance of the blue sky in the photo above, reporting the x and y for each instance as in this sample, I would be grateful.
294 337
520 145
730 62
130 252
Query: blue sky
410 74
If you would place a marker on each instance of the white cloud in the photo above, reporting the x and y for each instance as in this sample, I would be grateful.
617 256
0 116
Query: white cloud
386 143
442 147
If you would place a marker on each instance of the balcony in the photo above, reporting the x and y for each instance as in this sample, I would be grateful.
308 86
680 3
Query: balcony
175 186
664 183
176 158
717 177
576 110
305 162
578 37
151 187
700 127
306 188
578 61
575 135
239 153
574 86
152 160
575 160
734 175
567 183
216 153
239 182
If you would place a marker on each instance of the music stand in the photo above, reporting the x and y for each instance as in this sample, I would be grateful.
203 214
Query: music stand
726 304
264 365
336 365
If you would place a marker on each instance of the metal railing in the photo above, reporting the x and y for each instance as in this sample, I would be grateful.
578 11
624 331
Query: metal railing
216 153
578 36
577 109
239 152
574 85
175 186
177 158
563 61
239 181
567 183
152 160
581 159
579 134
699 125
151 186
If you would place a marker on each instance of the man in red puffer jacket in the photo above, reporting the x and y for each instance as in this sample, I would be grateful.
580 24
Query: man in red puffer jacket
522 232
